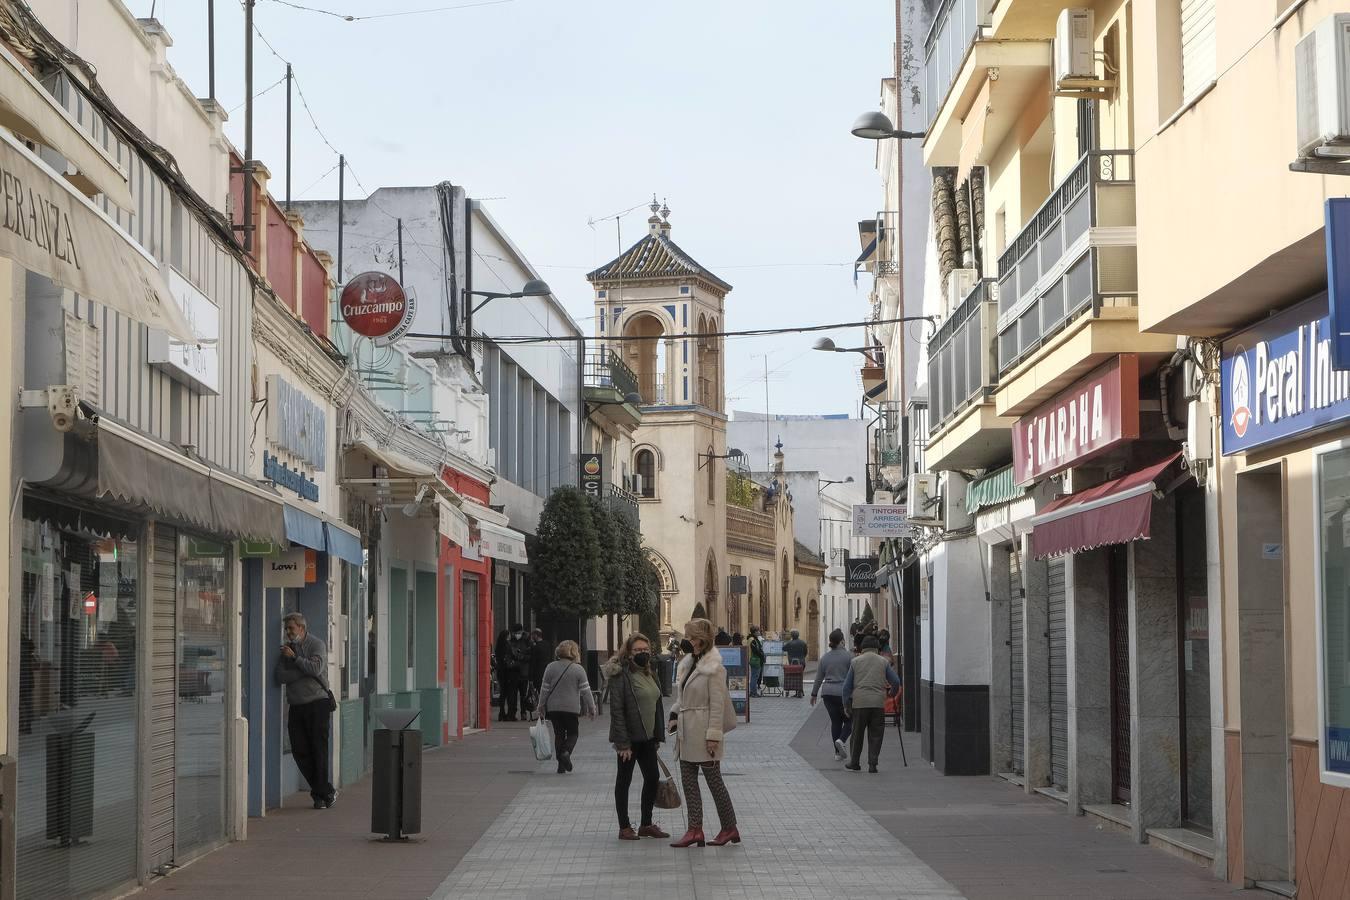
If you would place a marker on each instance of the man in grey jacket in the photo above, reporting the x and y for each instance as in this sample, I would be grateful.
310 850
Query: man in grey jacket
869 682
302 667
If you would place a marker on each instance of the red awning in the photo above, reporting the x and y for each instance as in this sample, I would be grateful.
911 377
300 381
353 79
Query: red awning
1115 512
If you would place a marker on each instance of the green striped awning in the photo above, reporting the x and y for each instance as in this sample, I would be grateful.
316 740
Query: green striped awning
993 489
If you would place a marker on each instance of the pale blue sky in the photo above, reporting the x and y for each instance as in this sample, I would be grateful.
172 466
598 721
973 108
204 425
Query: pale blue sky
735 111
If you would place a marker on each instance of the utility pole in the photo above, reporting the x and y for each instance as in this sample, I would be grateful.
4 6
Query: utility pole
400 251
342 172
248 125
768 446
211 49
288 136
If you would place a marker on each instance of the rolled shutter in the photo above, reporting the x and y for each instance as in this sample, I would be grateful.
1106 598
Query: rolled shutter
163 696
1017 643
1059 676
1199 62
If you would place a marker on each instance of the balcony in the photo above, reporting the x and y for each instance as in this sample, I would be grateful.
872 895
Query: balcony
609 381
1070 280
964 431
624 504
955 27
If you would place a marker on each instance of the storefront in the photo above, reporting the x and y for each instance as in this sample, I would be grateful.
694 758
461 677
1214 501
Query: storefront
466 576
1285 518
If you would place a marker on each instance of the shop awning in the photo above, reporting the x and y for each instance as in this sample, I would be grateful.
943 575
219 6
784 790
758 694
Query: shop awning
500 542
304 528
79 247
344 543
993 489
1115 512
138 470
30 109
453 523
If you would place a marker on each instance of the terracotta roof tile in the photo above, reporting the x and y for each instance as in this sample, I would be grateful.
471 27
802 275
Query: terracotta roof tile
656 256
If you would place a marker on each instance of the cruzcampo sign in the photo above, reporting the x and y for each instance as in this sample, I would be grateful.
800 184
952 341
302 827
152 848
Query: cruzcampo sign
374 305
1095 414
1278 379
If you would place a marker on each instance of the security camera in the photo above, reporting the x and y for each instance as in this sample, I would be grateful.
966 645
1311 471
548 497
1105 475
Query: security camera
61 403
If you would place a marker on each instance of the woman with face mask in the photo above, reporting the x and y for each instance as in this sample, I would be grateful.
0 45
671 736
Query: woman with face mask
636 717
700 717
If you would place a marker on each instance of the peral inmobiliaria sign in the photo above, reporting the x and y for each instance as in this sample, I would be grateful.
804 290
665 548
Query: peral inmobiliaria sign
1094 415
194 363
49 227
860 574
1278 379
883 520
374 305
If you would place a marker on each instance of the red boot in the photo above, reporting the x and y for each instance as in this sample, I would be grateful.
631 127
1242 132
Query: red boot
691 837
730 835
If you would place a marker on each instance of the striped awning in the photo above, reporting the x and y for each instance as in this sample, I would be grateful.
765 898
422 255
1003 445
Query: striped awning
993 489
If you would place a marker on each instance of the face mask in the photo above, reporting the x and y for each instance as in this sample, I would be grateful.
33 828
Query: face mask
641 659
516 634
686 646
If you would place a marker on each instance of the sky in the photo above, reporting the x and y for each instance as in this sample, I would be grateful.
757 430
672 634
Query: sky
560 114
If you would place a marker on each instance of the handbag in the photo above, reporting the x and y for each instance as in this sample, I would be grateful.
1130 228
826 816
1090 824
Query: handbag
541 737
667 794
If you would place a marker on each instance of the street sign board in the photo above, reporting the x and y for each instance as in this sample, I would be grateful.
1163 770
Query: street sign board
860 574
374 305
592 480
883 520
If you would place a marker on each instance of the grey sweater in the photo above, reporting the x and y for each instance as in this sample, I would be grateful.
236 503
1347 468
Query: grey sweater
305 676
870 681
831 672
566 689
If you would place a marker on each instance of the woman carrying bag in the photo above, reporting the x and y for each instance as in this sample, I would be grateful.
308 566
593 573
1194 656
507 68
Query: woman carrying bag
635 716
700 718
564 694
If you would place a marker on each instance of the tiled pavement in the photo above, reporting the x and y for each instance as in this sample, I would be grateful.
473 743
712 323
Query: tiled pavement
803 837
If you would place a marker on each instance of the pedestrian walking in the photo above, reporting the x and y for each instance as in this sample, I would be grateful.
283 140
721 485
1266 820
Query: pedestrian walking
564 695
831 672
700 718
541 657
869 682
513 661
636 713
795 649
756 660
309 719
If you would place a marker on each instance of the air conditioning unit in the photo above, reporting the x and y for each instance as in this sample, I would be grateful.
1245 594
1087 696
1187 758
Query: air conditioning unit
883 498
960 282
1074 51
955 516
1322 119
925 503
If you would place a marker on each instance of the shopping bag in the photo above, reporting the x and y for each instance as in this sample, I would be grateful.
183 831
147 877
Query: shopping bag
542 739
667 795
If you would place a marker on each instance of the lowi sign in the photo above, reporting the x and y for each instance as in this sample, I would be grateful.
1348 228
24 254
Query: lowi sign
1095 414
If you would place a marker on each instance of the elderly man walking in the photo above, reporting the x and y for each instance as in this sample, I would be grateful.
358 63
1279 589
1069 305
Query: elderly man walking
869 682
302 668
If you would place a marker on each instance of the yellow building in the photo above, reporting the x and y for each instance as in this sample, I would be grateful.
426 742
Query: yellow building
652 303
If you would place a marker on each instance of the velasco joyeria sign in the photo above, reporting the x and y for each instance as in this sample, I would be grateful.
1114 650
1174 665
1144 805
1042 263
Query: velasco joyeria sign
1095 414
375 305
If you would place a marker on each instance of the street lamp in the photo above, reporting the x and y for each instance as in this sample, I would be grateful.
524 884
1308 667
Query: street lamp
828 346
732 453
877 126
533 288
826 482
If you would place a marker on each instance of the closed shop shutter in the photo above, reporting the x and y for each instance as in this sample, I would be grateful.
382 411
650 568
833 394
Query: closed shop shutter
1017 643
1059 676
1198 59
163 695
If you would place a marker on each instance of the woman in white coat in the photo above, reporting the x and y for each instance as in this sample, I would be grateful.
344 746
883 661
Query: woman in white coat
700 718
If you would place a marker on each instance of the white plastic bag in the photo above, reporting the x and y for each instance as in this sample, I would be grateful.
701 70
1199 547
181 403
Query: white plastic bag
541 736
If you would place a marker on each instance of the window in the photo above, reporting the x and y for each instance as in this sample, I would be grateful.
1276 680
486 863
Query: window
1333 496
1198 61
645 464
712 476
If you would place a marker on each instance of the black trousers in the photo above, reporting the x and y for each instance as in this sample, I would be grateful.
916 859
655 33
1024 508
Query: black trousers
514 687
841 726
309 726
872 722
566 729
644 757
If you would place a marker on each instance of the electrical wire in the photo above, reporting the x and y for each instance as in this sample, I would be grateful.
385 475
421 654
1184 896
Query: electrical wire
389 15
270 87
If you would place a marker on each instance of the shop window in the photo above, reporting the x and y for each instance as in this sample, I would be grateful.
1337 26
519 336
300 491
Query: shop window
79 637
1333 489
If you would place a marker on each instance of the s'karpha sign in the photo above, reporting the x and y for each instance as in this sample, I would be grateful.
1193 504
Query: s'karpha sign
1095 414
374 305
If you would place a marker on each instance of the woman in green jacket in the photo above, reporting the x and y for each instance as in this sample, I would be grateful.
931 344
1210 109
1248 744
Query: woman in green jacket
636 729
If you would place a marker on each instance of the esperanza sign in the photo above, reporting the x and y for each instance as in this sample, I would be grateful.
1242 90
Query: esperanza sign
1094 415
1278 381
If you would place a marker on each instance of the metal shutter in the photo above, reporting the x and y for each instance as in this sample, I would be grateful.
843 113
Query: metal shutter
1017 643
1059 677
1198 60
163 696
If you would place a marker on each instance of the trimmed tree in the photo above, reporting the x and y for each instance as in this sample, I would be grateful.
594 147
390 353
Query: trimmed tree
566 563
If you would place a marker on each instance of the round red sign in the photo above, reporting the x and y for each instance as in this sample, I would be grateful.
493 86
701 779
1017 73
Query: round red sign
374 305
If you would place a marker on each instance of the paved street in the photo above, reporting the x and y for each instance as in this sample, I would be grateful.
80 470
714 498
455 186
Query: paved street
499 825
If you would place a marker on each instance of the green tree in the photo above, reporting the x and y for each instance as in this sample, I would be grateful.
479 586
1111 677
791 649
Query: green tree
611 534
566 562
649 621
740 490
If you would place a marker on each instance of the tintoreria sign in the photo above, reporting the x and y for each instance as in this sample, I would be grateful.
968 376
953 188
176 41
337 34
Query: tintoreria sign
375 305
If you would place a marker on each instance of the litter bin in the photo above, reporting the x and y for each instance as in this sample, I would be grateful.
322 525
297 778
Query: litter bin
396 788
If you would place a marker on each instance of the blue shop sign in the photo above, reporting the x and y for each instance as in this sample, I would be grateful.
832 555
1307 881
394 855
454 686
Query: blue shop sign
1278 381
282 475
1338 278
1338 749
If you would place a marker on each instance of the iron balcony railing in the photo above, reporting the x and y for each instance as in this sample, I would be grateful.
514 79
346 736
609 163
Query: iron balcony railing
1076 255
962 366
623 503
605 368
916 436
955 28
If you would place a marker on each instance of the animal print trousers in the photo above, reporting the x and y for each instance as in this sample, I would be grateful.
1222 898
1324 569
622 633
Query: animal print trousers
693 797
